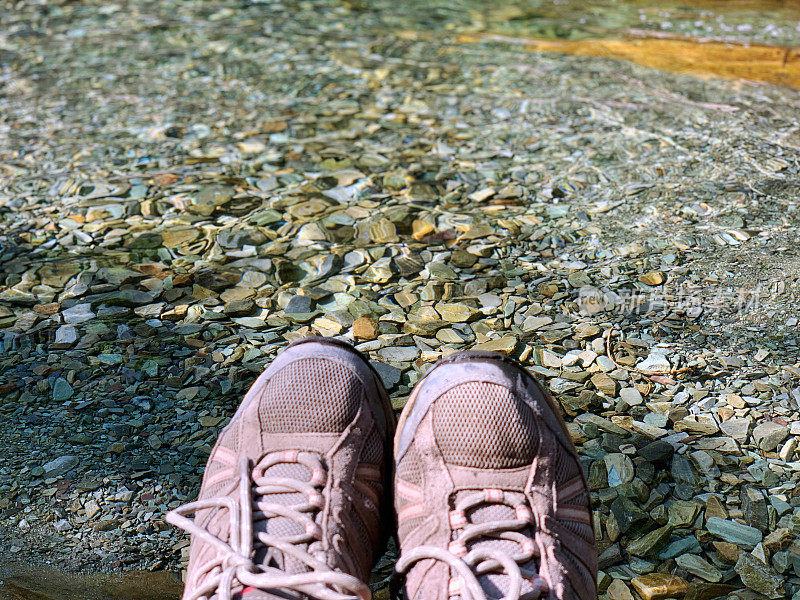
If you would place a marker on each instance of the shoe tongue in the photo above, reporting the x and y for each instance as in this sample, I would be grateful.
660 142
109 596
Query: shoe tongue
283 527
496 585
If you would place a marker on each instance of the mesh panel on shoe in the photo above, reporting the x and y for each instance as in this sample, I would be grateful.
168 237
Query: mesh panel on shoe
577 568
482 425
229 439
310 395
410 468
579 529
581 499
566 467
372 452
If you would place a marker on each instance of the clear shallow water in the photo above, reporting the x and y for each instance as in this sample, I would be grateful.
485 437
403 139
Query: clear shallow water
769 22
773 23
744 39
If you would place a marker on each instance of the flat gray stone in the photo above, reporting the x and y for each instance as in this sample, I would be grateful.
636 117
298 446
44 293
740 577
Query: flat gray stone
62 390
80 313
631 396
390 376
394 354
66 336
737 427
743 536
492 300
654 363
299 305
59 466
620 469
683 472
129 298
679 547
697 566
651 543
605 363
112 358
657 451
768 435
754 506
759 577
248 236
240 308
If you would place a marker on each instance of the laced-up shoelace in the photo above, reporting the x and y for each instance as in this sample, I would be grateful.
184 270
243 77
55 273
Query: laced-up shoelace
234 558
471 564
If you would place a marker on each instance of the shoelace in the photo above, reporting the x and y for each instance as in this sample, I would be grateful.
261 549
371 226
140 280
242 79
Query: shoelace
234 563
470 564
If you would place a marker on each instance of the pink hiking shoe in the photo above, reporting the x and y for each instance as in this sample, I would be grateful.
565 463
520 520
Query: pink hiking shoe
490 496
291 504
